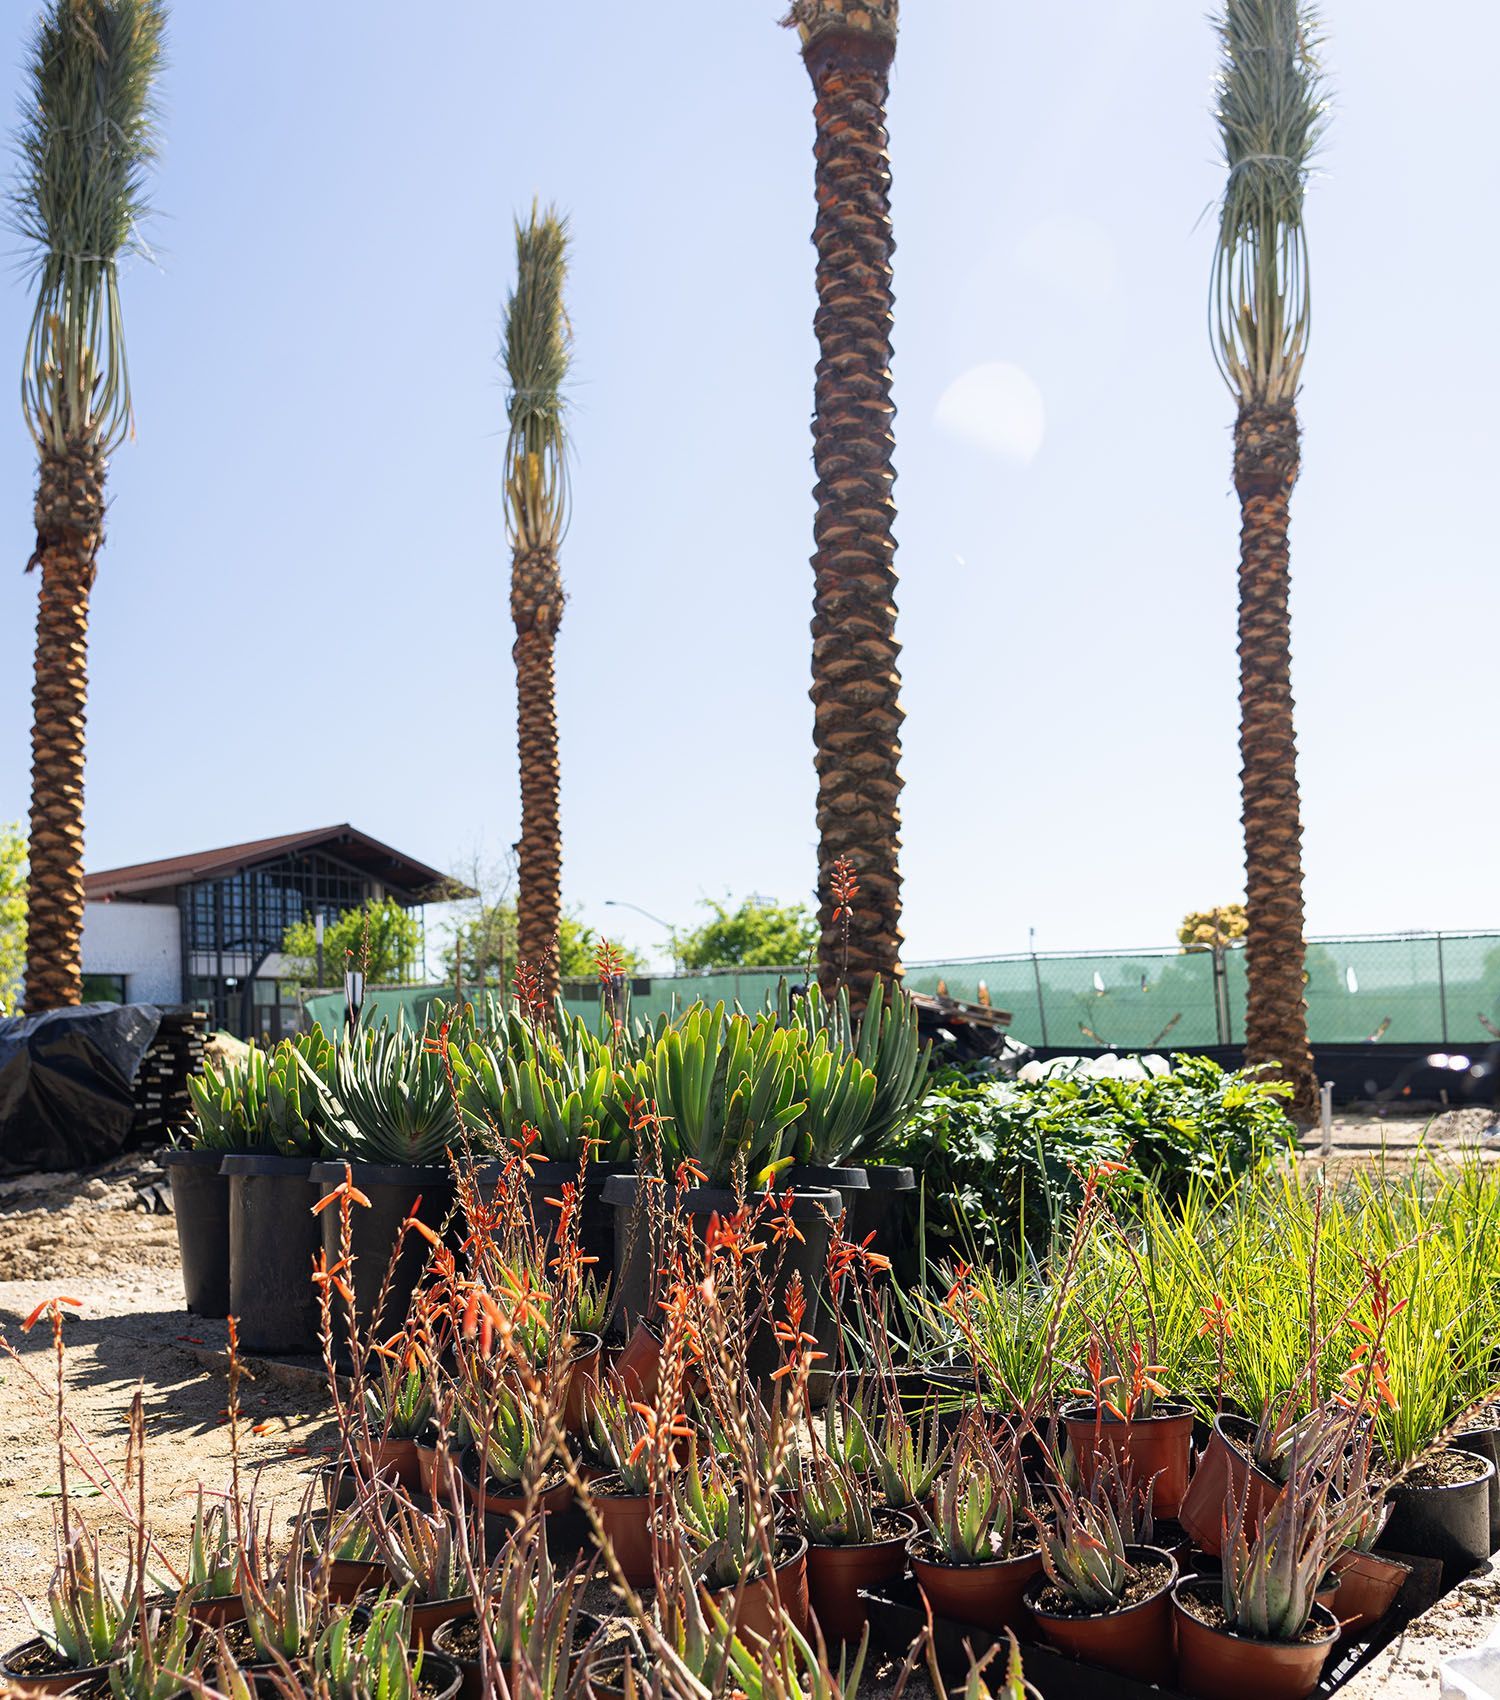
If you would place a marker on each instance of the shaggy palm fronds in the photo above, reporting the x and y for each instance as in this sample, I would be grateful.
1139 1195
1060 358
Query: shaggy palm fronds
1271 108
88 133
538 346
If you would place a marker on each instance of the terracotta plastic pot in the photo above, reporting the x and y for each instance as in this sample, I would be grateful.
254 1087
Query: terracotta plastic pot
396 1457
1217 1664
1135 1641
638 1364
582 1372
1157 1449
428 1615
557 1498
836 1574
990 1596
1225 1464
1370 1583
217 1613
627 1524
45 1682
757 1603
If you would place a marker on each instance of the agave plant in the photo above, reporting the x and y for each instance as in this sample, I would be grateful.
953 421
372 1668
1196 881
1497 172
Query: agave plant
163 1661
907 1459
978 1504
369 1660
88 1620
726 1089
1083 1549
389 1099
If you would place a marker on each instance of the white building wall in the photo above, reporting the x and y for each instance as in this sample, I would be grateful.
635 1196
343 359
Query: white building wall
142 941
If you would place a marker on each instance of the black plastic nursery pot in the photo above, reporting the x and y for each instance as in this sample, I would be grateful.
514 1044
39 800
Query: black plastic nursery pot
545 1180
846 1180
273 1238
1484 1442
1449 1521
872 1209
395 1191
812 1211
200 1204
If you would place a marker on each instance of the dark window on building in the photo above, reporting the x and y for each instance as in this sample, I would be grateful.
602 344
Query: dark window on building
104 988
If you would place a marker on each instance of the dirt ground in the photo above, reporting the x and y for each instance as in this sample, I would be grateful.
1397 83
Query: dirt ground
106 1239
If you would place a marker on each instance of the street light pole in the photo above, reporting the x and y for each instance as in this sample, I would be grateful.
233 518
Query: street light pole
319 920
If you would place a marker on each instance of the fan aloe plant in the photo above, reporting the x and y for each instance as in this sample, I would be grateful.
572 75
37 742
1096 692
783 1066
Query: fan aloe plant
388 1100
229 1105
726 1088
840 1094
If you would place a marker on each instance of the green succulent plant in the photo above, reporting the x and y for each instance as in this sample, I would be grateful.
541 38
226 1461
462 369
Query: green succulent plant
907 1458
1083 1549
213 1564
978 1504
229 1105
388 1099
87 1619
838 1509
162 1661
372 1660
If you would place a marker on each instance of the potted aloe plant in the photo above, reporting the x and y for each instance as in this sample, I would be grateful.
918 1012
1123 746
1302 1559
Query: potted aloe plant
391 1123
1369 1581
1257 1632
724 1090
87 1628
553 1082
211 1585
1126 1417
398 1411
371 1659
272 1232
423 1558
1105 1592
908 1457
620 1448
854 1542
751 1571
977 1549
165 1659
506 1468
1245 1461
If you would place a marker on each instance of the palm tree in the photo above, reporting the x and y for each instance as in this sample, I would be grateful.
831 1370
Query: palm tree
848 46
88 133
538 345
1271 110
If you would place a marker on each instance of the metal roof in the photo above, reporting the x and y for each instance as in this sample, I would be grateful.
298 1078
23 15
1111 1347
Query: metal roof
404 877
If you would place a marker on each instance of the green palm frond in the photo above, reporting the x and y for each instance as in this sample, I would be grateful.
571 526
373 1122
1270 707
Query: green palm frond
538 348
88 134
1271 109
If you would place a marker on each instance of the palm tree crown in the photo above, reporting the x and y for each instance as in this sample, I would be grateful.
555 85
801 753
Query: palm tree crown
88 134
538 345
1271 110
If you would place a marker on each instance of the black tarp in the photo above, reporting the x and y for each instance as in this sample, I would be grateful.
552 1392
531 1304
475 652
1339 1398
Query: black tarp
67 1083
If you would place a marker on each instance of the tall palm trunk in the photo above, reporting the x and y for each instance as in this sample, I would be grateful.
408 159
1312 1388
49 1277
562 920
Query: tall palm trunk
1266 461
536 605
848 48
69 527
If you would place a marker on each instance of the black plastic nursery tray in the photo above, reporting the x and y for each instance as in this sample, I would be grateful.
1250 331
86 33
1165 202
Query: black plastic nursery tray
897 1617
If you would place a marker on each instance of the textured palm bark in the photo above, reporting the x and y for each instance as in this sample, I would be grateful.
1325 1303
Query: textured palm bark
69 530
536 605
1266 460
856 678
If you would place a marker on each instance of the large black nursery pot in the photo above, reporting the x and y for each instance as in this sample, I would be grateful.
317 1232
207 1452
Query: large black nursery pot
545 1180
1446 1520
273 1237
872 1209
200 1204
846 1179
1484 1441
812 1211
394 1190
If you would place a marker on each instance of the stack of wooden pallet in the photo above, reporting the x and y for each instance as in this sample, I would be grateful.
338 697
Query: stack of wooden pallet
161 1095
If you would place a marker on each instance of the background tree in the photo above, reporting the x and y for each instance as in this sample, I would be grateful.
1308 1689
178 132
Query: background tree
87 136
537 352
12 914
391 935
1202 929
1271 111
489 945
848 46
754 935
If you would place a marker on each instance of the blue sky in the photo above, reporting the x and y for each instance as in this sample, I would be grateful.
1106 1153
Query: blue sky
301 611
